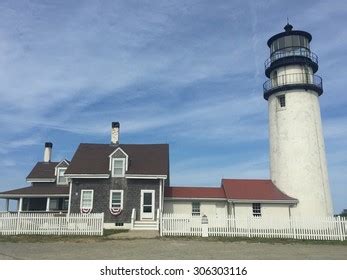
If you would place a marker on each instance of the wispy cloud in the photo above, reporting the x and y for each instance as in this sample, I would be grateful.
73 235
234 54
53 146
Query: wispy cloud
189 74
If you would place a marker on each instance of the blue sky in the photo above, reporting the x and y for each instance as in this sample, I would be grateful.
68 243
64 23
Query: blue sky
187 73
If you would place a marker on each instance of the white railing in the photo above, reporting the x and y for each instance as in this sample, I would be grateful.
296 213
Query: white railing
52 224
180 225
295 228
133 218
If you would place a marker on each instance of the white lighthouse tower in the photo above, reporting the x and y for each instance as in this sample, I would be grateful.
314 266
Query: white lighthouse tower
297 154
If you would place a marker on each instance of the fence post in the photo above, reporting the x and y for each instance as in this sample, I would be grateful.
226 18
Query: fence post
161 223
248 227
59 223
18 223
292 225
339 226
102 223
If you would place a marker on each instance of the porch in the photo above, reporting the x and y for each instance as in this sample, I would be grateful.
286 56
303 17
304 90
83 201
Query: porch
36 199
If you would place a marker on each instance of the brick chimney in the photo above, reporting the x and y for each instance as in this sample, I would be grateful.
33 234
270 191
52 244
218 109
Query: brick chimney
47 156
115 133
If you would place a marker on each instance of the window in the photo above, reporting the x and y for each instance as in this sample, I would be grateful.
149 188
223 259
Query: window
118 167
87 199
54 204
196 209
296 40
116 199
256 209
282 101
61 179
65 204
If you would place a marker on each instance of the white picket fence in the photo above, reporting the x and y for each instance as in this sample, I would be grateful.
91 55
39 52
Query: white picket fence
330 228
51 224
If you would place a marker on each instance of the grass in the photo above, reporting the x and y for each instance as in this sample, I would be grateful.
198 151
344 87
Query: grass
109 232
60 238
259 240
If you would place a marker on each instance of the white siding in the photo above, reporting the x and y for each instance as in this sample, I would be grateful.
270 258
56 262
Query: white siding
220 209
208 208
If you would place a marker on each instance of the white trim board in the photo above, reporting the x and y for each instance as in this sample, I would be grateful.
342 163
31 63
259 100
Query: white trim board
263 201
190 198
89 176
32 195
139 176
41 180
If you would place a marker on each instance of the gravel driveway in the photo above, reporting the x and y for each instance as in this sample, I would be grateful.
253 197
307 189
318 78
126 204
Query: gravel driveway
168 249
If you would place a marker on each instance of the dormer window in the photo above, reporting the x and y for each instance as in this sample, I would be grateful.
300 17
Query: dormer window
61 179
118 167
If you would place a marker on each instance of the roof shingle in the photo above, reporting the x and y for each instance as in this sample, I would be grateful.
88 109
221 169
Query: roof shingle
194 192
43 170
144 159
42 190
244 189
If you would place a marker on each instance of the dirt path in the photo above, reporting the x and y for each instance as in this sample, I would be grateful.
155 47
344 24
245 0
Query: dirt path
168 249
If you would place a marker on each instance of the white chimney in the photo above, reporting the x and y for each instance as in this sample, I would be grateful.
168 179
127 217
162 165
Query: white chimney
115 133
47 156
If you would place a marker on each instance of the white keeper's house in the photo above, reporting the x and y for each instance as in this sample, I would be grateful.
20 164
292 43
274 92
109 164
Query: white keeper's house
121 179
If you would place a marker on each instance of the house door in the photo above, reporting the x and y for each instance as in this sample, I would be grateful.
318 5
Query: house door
147 204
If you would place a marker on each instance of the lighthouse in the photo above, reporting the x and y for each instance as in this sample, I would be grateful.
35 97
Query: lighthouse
298 164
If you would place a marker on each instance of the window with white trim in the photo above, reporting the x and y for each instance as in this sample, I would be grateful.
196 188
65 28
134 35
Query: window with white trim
195 208
87 199
116 199
61 179
256 207
118 167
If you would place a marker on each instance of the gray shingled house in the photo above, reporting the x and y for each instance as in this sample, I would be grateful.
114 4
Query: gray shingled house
125 181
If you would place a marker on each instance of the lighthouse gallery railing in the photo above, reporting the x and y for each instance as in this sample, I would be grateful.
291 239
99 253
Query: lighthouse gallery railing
293 79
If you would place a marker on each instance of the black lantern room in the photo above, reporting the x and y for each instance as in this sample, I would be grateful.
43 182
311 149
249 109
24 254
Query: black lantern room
291 47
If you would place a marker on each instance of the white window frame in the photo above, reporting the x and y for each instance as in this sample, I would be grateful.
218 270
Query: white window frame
121 197
58 176
83 191
256 211
196 213
113 165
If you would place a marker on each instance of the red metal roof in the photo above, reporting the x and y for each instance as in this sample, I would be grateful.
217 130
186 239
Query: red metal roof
194 192
233 189
239 189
